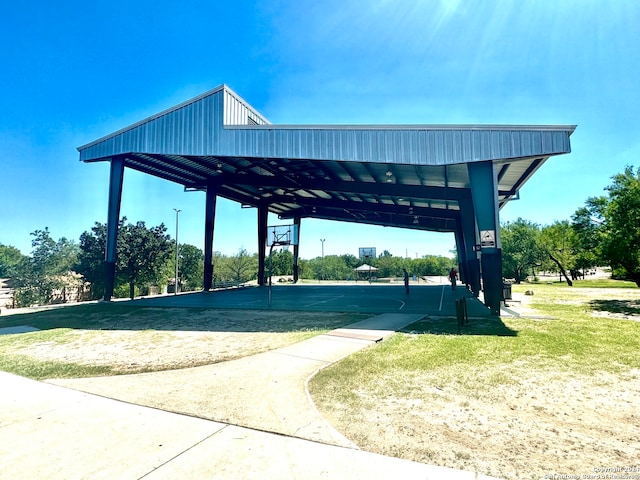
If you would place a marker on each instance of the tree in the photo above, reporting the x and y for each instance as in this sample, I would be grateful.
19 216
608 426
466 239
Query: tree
621 239
191 267
587 224
12 261
350 261
90 263
389 266
240 268
142 254
431 265
520 248
282 262
335 268
47 270
557 242
330 267
312 268
303 268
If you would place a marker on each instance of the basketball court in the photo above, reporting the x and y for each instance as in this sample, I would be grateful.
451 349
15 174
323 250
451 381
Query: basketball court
361 297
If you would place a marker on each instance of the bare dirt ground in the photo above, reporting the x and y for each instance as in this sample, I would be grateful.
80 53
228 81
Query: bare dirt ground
190 338
131 351
541 426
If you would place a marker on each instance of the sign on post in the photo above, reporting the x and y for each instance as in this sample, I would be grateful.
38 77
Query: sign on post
487 238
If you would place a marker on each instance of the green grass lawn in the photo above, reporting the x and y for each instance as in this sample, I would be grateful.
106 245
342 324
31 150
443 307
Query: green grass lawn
572 340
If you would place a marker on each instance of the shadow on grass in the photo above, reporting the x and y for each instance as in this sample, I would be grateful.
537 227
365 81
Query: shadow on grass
624 307
490 326
124 316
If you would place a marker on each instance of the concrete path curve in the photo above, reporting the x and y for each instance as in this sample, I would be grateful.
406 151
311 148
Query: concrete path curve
266 391
51 432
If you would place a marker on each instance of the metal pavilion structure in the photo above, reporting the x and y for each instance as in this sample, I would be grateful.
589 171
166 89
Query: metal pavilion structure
447 178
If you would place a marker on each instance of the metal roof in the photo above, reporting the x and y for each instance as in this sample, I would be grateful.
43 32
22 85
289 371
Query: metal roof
410 176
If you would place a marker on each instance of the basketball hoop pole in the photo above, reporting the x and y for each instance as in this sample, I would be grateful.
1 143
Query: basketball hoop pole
280 235
270 270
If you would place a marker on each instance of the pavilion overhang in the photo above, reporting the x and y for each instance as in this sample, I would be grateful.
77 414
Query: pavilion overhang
428 177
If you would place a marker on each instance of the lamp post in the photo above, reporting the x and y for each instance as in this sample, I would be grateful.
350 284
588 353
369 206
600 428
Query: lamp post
175 290
322 240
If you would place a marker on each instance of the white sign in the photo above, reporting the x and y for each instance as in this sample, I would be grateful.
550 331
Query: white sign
488 238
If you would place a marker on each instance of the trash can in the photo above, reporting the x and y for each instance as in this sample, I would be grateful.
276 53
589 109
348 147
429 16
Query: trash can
506 291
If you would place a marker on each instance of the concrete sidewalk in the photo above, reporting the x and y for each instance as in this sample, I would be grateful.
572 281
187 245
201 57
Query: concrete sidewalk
50 432
271 429
266 391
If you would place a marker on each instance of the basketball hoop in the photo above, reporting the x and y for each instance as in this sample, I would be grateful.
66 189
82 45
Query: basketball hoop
282 235
279 235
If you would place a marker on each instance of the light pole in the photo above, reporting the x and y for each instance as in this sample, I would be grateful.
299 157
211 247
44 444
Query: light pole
322 275
175 290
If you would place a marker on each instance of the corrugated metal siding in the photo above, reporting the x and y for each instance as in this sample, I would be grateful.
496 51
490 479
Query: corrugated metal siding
191 129
238 112
197 128
408 146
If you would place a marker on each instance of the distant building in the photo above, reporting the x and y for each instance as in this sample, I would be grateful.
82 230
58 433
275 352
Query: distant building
6 293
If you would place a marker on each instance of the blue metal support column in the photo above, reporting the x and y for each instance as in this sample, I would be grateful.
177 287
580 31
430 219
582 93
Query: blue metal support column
469 241
209 224
462 255
296 251
113 220
484 192
263 211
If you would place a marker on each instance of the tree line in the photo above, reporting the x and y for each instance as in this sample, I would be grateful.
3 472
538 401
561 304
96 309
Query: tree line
146 258
605 231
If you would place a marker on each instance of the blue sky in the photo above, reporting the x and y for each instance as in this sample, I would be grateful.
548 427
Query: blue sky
73 71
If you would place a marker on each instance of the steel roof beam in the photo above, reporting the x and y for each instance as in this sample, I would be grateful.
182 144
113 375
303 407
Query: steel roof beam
172 176
169 164
384 189
368 207
437 224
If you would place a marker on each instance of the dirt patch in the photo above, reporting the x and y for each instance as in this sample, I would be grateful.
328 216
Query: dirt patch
521 304
132 351
164 339
538 426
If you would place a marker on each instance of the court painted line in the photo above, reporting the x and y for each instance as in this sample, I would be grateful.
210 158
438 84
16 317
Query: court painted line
391 300
441 298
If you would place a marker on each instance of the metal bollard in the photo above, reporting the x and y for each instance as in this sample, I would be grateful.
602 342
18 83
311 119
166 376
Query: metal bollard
461 312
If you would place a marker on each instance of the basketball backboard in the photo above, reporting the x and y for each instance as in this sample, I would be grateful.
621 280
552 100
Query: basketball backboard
282 235
367 252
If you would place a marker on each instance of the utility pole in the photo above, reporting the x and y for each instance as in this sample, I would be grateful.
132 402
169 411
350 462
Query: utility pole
175 291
